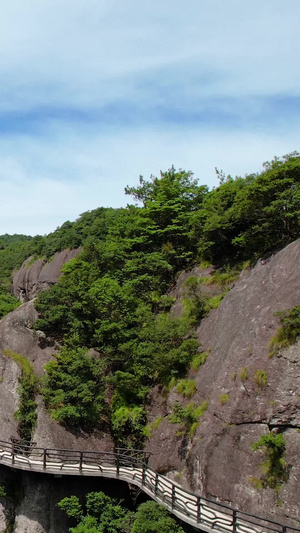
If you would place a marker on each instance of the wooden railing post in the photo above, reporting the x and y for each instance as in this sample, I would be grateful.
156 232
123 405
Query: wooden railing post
80 461
198 510
143 474
118 464
45 459
173 496
234 521
156 483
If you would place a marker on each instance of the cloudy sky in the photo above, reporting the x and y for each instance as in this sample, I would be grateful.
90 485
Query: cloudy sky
94 93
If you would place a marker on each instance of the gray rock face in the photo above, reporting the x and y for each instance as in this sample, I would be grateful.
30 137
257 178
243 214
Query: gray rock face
219 461
32 502
38 275
17 335
36 512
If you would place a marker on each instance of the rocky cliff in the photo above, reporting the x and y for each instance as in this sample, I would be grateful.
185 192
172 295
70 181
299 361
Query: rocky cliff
31 505
37 275
218 461
32 502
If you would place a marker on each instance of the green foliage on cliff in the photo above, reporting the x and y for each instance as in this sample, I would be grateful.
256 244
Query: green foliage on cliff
28 389
128 425
7 302
274 468
13 251
289 331
186 387
152 518
188 416
260 378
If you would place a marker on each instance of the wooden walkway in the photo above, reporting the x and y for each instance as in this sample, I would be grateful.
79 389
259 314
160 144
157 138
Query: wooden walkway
131 467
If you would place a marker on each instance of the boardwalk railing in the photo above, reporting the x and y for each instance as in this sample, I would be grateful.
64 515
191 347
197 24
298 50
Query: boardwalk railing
200 512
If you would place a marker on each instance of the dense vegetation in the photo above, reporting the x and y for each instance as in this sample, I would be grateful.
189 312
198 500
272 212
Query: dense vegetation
113 296
103 514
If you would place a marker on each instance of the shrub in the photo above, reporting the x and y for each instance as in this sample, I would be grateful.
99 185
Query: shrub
152 426
194 300
7 302
128 424
274 468
198 360
71 506
224 277
289 331
224 398
214 301
108 515
186 387
261 379
151 517
73 389
244 374
188 416
103 513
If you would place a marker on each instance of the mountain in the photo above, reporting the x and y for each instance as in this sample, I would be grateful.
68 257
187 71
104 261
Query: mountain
171 326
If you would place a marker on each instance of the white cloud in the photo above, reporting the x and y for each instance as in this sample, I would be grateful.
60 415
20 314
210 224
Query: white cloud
96 170
90 52
95 92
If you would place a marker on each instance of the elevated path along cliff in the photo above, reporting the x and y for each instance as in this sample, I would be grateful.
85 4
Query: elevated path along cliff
131 467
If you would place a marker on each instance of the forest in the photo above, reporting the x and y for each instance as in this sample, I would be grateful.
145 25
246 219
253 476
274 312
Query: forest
114 297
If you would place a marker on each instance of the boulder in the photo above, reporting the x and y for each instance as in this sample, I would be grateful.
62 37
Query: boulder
36 275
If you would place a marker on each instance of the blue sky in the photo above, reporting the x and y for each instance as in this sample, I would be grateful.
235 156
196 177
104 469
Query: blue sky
94 93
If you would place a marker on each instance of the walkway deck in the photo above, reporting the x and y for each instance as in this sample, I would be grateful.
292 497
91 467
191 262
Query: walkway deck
201 513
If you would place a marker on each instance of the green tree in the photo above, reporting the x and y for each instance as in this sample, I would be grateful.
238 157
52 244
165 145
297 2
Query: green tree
104 514
107 515
71 506
112 308
74 391
169 202
152 518
65 308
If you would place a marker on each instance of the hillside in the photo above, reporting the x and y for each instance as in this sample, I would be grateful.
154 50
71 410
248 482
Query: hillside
155 331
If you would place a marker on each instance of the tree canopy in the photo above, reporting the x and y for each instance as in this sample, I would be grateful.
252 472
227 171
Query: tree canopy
103 514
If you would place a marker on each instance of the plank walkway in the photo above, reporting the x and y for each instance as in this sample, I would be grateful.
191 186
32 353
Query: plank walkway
202 513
